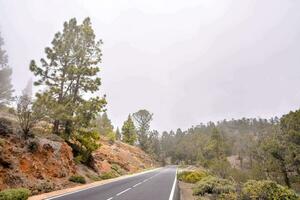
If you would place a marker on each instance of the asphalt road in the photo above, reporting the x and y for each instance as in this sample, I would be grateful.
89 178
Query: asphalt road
155 185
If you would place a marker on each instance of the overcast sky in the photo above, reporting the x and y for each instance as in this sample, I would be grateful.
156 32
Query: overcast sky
187 61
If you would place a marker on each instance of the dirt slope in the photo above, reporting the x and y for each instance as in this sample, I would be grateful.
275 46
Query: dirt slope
45 163
129 158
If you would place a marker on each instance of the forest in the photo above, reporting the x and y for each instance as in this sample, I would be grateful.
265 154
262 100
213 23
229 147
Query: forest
66 80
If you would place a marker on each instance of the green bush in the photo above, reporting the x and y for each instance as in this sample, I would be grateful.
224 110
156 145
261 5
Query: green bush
77 179
117 169
46 186
111 137
191 176
228 196
94 177
108 175
213 185
266 190
15 194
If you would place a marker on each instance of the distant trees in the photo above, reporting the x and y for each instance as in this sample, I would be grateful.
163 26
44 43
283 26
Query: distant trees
256 148
142 119
104 124
6 88
290 126
68 74
129 131
154 144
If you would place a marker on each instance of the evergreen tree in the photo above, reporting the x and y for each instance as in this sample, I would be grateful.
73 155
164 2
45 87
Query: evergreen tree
154 143
6 88
104 125
118 134
129 132
69 75
69 71
142 120
290 126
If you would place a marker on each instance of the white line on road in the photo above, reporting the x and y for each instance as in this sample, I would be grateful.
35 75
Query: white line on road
137 184
173 188
110 198
88 188
123 191
145 180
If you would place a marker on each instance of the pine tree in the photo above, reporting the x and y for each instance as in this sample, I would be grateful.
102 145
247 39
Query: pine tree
69 71
129 132
6 88
118 134
142 120
104 124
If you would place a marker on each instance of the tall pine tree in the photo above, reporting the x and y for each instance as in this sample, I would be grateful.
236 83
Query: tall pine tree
69 72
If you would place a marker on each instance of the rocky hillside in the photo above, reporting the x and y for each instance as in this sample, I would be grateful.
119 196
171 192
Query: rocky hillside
37 163
128 158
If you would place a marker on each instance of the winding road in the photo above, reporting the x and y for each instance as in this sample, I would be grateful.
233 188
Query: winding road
160 184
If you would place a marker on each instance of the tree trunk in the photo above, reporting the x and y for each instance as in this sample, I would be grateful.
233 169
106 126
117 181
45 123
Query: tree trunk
56 127
68 128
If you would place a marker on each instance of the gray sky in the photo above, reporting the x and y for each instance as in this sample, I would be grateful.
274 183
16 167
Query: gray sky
186 61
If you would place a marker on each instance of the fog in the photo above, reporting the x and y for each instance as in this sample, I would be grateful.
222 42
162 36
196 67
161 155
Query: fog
185 61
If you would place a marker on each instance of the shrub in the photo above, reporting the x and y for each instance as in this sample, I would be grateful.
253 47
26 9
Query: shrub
5 126
15 194
78 159
239 176
33 146
77 179
117 169
228 196
43 187
213 185
191 176
220 167
94 177
108 175
111 137
266 190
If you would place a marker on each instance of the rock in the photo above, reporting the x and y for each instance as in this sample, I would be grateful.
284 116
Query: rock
51 161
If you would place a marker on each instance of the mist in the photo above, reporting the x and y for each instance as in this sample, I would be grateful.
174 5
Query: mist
186 62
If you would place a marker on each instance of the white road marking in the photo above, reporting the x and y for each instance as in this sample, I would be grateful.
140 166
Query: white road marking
137 184
123 191
145 180
173 187
80 190
110 198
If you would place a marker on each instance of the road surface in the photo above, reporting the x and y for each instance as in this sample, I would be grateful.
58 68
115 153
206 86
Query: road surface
155 185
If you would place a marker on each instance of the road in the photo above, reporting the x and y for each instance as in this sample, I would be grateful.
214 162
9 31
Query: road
155 185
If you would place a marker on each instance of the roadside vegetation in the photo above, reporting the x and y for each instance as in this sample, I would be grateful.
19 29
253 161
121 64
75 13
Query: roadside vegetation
211 187
15 194
246 158
77 179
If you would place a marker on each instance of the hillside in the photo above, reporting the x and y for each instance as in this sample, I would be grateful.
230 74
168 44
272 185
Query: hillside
45 162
